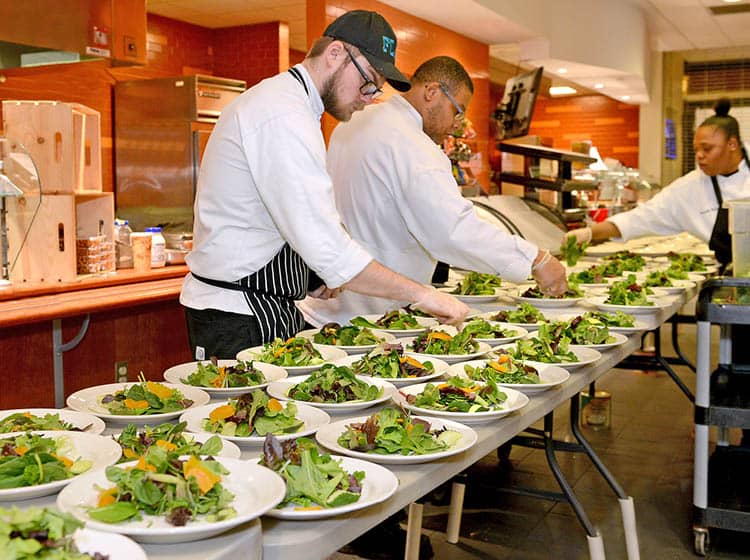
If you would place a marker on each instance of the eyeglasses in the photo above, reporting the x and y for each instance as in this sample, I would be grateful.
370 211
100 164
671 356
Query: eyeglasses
369 88
459 111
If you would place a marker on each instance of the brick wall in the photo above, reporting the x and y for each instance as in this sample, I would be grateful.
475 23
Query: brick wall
247 52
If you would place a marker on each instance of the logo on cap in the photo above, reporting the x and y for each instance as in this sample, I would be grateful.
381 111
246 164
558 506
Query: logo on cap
389 46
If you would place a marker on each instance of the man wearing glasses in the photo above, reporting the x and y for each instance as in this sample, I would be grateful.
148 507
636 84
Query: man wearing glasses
398 198
264 208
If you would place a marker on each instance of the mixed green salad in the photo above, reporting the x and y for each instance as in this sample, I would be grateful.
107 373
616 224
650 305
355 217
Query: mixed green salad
136 440
163 484
616 319
481 328
33 459
314 480
396 320
336 335
293 352
391 431
628 260
460 395
212 375
253 414
477 284
146 397
573 291
441 343
628 292
388 361
676 272
689 262
549 346
658 279
572 251
525 314
592 275
334 384
583 330
504 370
42 533
26 422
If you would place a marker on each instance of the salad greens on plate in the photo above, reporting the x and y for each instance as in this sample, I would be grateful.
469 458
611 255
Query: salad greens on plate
336 335
548 346
334 384
33 459
397 320
162 483
504 369
628 261
388 361
146 397
481 328
26 422
525 313
253 414
243 374
628 292
573 291
42 533
441 343
460 395
593 275
572 251
136 440
293 352
314 480
689 262
658 279
616 319
477 284
392 431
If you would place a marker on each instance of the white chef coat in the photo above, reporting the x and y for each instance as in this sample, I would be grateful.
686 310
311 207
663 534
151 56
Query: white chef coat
398 198
687 204
262 183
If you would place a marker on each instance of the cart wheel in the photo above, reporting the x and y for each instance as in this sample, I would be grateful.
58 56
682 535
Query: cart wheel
701 541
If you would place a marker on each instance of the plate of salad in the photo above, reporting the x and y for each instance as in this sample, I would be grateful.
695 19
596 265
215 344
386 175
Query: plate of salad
349 338
540 347
166 498
523 315
49 419
589 332
528 377
464 400
398 322
225 378
617 322
34 464
140 403
493 332
446 344
319 485
135 441
334 388
248 418
665 283
388 361
628 295
296 355
48 533
534 296
592 277
394 436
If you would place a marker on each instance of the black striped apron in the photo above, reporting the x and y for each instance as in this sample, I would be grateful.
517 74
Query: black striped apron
270 292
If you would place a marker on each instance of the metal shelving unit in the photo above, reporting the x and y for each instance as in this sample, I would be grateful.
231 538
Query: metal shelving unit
721 487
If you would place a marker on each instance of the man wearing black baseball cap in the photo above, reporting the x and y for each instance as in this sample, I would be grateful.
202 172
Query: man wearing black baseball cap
265 217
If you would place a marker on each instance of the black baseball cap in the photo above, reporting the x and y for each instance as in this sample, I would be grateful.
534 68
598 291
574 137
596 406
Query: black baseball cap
374 37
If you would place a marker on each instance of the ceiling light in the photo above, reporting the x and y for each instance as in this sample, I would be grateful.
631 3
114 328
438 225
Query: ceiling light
561 90
598 86
625 97
732 1
562 70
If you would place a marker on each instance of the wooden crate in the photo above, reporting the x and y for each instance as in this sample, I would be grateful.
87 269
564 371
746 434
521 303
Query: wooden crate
64 140
49 252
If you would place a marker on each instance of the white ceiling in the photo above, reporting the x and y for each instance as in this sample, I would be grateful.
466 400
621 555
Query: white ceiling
673 25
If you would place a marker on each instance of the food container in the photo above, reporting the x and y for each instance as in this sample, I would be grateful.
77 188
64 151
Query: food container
141 242
175 256
596 412
739 227
178 240
89 254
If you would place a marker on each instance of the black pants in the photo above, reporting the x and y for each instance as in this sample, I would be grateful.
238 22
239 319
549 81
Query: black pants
220 333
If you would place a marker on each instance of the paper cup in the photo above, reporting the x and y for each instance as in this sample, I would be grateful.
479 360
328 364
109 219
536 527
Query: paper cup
141 243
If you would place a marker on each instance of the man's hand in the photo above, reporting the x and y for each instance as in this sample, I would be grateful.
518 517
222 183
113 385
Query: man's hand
550 274
324 292
444 307
581 235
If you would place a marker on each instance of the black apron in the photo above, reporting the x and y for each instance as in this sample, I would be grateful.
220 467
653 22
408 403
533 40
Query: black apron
270 292
721 241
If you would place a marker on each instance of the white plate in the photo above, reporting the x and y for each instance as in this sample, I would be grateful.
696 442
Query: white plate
102 451
598 302
81 420
515 400
256 489
279 390
521 332
425 322
585 356
638 325
549 375
86 400
116 547
440 368
228 449
378 485
313 419
449 358
328 437
526 326
619 339
176 374
546 303
329 353
384 336
604 250
677 287
474 299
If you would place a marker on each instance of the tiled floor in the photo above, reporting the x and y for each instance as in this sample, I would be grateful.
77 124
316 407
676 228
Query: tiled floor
648 449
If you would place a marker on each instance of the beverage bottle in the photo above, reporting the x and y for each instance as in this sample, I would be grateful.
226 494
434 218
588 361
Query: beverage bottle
123 247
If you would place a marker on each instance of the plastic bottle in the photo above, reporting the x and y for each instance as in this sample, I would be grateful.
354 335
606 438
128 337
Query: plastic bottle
123 247
158 247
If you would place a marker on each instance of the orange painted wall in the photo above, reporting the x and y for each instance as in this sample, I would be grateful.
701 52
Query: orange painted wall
419 40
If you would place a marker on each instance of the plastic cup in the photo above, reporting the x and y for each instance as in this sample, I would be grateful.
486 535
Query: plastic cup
141 243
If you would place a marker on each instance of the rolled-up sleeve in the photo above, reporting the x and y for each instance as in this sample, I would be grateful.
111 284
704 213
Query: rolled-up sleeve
289 172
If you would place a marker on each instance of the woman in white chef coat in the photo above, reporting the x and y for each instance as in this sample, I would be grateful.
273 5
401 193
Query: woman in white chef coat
692 203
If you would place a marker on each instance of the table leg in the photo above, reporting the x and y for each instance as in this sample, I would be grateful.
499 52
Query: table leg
58 347
454 512
413 531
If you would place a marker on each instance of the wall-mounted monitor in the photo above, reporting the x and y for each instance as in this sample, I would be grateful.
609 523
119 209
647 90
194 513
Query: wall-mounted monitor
517 106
